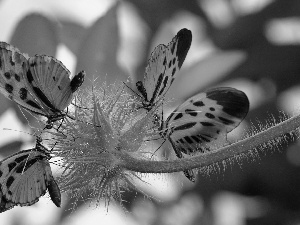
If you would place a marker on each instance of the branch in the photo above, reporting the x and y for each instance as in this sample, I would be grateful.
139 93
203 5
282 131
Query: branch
259 140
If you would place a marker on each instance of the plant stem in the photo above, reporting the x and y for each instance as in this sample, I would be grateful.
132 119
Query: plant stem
202 160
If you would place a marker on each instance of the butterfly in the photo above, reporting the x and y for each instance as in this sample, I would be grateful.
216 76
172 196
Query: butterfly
26 176
161 70
202 122
40 84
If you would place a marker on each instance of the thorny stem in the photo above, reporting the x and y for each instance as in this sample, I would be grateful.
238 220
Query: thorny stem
209 158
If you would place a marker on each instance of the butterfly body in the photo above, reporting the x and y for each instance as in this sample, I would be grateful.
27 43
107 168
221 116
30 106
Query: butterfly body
202 122
25 177
40 84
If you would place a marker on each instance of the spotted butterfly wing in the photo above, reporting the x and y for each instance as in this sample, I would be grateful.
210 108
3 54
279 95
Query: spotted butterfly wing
25 177
202 122
41 84
13 69
162 66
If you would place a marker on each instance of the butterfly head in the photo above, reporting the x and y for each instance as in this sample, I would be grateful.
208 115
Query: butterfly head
77 81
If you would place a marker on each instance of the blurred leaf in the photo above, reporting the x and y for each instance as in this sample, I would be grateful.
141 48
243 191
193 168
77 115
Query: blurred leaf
199 76
279 64
244 33
71 34
249 30
10 148
156 12
35 34
98 51
5 104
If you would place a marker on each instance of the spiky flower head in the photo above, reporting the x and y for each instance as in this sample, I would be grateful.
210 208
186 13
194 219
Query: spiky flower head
105 129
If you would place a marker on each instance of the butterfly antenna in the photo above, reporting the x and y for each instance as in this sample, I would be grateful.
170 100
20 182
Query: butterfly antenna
80 107
53 146
38 137
132 90
21 132
62 120
59 131
154 139
32 114
25 164
38 143
158 148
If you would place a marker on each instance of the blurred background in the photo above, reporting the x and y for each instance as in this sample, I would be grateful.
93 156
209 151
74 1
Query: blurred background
252 45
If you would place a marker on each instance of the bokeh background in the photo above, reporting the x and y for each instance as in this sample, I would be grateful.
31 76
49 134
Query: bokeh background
252 45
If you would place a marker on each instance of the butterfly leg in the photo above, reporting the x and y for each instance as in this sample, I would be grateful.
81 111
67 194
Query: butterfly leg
49 125
80 107
62 120
157 149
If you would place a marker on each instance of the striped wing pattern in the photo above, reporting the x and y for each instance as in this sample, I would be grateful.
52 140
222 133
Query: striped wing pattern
202 122
49 79
25 177
40 84
162 66
13 69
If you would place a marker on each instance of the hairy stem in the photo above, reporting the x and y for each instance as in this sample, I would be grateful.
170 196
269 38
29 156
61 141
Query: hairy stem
206 159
